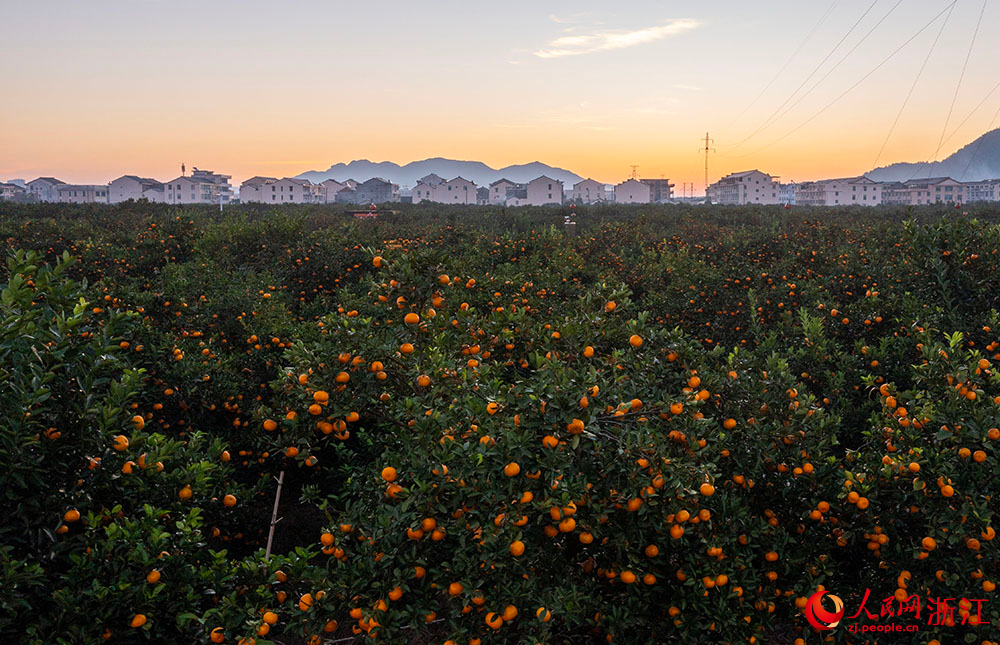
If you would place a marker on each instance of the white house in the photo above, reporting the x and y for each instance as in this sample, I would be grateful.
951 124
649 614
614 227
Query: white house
746 187
422 192
44 189
849 191
456 191
134 187
498 191
632 191
543 191
252 190
202 187
11 191
588 191
82 193
987 190
329 189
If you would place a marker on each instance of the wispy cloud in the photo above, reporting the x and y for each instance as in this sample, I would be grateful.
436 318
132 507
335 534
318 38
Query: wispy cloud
682 86
614 39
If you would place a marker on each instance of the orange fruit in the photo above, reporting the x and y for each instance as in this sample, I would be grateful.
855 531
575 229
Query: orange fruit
120 443
516 548
411 318
635 340
229 500
389 474
153 577
137 621
72 515
706 489
512 469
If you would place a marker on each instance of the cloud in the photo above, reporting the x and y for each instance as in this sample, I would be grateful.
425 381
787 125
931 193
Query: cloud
616 39
682 86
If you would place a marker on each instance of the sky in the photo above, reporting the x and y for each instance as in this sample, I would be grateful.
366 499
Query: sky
93 90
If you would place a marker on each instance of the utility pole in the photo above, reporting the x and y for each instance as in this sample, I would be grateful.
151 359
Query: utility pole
707 150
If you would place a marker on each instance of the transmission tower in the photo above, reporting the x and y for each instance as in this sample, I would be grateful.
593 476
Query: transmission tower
707 150
635 172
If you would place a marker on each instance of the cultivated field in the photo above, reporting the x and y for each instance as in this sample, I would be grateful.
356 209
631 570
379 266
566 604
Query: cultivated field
675 425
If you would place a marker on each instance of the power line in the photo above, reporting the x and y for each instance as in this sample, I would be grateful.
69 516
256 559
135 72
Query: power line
974 110
861 80
979 142
842 59
807 78
912 87
958 86
790 58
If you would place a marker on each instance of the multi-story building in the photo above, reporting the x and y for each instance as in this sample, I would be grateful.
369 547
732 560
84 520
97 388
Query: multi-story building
424 190
289 190
498 191
987 190
202 187
849 191
43 189
543 191
923 191
253 189
82 193
660 190
454 191
134 187
747 187
632 191
11 192
330 188
376 191
786 193
588 191
483 196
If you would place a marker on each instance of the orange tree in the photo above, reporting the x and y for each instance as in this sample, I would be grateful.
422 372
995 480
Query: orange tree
106 521
574 473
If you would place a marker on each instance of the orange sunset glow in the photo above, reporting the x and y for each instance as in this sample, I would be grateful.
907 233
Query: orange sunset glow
141 87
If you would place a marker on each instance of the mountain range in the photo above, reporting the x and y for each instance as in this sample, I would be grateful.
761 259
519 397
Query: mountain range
978 160
407 175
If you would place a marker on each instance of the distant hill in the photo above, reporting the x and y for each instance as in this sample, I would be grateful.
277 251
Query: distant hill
409 174
984 154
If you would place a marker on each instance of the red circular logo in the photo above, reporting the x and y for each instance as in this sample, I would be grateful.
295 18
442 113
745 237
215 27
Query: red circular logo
820 618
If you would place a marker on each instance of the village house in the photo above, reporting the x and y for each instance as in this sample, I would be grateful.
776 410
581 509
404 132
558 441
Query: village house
43 189
632 191
498 191
9 192
543 191
849 191
134 187
201 187
82 193
747 187
588 191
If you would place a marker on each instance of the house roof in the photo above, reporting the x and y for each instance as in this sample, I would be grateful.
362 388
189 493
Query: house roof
259 180
502 180
545 177
583 181
51 180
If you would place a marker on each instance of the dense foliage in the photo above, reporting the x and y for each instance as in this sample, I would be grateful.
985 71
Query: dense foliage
672 424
